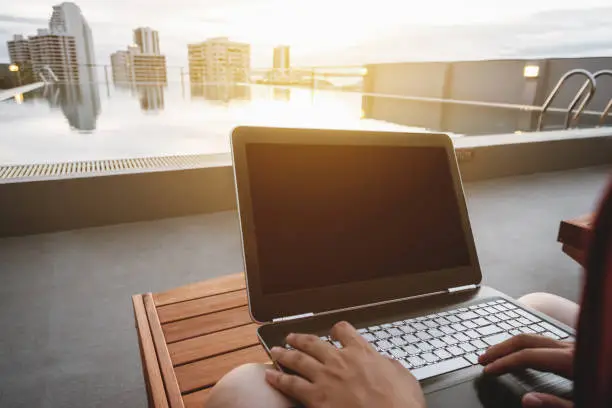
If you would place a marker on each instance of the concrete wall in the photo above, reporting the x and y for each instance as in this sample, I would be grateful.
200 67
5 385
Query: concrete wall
497 81
39 206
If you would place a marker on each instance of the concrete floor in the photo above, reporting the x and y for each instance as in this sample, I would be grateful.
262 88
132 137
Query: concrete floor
68 337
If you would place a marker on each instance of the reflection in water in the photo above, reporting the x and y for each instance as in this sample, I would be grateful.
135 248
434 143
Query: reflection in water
221 92
151 98
282 94
79 103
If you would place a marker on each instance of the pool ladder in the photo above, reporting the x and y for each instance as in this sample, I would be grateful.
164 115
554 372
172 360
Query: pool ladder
584 96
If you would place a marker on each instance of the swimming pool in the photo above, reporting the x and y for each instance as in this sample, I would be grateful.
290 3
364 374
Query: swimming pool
92 122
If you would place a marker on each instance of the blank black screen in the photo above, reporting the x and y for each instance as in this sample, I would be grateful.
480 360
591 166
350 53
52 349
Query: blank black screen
326 215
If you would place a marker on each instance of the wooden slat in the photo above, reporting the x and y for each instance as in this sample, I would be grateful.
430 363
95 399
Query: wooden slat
196 307
163 357
575 232
204 373
196 399
200 325
202 347
576 254
152 373
201 289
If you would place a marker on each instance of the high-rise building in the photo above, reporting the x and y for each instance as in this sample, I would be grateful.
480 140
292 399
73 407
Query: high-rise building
19 54
54 56
151 98
281 58
147 40
149 69
67 20
142 63
219 60
19 49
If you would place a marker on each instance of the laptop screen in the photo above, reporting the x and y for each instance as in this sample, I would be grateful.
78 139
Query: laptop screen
328 214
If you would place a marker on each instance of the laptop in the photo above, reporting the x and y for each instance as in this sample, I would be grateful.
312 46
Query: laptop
372 228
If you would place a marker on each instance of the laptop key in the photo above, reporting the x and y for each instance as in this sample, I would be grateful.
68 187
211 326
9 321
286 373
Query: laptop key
395 332
505 325
481 321
369 337
523 320
443 354
472 334
515 332
513 314
469 324
419 326
382 334
492 318
386 325
442 367
423 335
384 345
487 330
442 321
467 347
410 338
424 346
374 328
405 363
467 316
553 329
458 326
416 361
449 340
430 323
435 333
412 350
430 357
481 312
461 337
447 329
455 351
362 331
527 330
406 328
472 358
398 341
496 338
479 344
551 335
537 328
527 315
398 353
437 343
453 319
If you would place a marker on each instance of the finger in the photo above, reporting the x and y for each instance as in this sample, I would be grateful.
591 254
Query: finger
312 345
534 399
550 360
297 361
346 334
516 343
290 385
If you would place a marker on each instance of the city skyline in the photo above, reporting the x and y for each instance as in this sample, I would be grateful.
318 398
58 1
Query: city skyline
358 34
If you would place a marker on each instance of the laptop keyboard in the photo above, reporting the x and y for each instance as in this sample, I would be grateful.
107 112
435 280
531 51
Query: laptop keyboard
447 341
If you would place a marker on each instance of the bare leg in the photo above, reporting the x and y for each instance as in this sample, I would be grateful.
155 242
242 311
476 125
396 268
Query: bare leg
554 306
246 387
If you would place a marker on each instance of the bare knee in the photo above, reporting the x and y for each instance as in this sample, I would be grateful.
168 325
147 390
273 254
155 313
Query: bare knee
557 307
245 386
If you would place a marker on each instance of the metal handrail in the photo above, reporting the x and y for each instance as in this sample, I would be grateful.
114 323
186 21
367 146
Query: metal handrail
555 92
585 102
604 114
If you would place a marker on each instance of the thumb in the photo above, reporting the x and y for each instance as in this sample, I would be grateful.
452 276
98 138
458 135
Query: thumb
538 400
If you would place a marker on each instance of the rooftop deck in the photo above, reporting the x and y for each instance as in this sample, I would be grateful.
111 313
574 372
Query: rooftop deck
68 332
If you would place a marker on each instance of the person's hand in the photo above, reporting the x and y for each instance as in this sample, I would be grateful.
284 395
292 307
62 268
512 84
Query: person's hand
354 376
532 351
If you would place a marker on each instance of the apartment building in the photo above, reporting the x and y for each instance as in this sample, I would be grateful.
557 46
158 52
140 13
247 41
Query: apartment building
55 52
147 40
219 60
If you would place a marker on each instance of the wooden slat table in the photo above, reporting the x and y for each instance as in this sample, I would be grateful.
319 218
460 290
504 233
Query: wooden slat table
191 336
574 235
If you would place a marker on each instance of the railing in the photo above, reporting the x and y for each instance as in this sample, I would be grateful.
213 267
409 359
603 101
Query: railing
568 118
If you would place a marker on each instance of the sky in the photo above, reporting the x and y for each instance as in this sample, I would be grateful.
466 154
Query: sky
333 32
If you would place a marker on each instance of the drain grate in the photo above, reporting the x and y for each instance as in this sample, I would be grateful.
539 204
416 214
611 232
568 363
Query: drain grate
110 166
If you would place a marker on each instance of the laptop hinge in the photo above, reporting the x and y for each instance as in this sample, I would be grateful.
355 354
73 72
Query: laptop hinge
462 288
284 319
